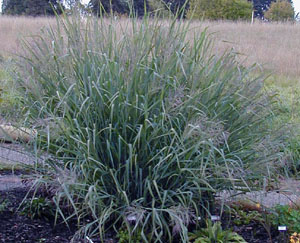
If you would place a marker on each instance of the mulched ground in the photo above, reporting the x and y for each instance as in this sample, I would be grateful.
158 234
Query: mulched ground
256 233
19 228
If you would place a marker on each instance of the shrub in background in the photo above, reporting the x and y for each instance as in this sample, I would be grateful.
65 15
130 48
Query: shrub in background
142 123
205 9
281 10
220 9
99 7
237 9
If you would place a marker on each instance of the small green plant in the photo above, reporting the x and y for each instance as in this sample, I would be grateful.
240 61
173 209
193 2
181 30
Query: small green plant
3 205
38 207
285 215
125 237
242 217
246 212
214 233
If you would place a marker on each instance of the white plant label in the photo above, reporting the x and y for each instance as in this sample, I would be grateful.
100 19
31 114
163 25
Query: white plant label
282 228
215 218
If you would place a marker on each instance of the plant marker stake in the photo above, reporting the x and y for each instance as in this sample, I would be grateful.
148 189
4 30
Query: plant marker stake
282 228
131 218
282 234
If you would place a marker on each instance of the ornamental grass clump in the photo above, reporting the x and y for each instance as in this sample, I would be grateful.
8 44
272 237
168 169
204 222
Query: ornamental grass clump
141 123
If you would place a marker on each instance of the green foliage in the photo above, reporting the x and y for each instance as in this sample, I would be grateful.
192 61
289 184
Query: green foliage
9 98
150 125
281 10
214 233
287 116
100 7
138 7
285 215
12 7
3 205
124 236
220 9
206 9
31 7
242 217
38 208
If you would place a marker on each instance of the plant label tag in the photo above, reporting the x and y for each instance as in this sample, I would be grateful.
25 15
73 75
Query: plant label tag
215 218
282 228
131 218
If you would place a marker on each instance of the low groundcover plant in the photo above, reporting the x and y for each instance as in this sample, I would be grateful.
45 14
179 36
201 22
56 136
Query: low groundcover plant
141 122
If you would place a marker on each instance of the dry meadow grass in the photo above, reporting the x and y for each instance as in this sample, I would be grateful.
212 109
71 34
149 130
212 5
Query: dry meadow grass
12 29
276 46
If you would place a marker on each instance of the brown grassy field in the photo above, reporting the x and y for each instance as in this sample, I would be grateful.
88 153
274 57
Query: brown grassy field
276 46
12 29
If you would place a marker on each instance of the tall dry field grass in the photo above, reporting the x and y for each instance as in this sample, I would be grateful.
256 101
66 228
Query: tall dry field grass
275 46
12 29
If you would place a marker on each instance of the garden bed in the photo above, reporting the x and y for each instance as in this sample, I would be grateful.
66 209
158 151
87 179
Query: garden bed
19 228
16 227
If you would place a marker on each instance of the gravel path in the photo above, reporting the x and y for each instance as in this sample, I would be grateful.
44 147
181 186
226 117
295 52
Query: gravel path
267 199
10 182
15 154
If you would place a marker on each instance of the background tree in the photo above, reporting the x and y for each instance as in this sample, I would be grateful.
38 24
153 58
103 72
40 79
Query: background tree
237 9
118 6
31 7
220 9
165 7
280 10
12 7
176 5
261 6
207 9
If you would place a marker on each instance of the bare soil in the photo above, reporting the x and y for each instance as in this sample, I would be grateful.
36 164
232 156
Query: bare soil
19 228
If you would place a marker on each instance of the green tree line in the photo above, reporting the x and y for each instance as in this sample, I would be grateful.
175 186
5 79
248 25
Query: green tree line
210 9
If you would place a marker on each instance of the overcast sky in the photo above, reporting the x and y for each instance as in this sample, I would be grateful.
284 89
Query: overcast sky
296 4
